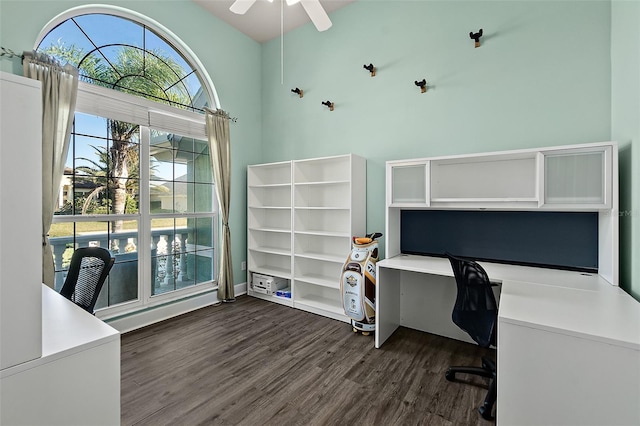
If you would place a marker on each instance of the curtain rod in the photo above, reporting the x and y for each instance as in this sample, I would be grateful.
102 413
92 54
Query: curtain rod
11 54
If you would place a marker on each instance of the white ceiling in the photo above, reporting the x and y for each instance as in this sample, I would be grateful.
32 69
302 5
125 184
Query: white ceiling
262 21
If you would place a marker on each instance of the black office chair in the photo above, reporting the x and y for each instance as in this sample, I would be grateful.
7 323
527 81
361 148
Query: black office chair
475 312
87 273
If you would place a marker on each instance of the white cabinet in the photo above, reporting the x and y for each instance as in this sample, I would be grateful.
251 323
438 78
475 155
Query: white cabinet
51 351
408 184
558 178
301 225
80 365
562 179
578 178
20 220
485 180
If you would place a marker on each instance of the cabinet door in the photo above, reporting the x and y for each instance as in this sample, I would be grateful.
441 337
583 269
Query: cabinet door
20 220
408 184
504 180
578 178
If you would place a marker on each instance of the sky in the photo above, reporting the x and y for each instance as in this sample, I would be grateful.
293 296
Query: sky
99 30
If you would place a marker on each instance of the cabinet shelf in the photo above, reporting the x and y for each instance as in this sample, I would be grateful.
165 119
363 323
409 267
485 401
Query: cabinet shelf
320 280
318 302
324 233
287 301
321 208
277 230
324 182
323 256
272 271
270 207
270 185
271 250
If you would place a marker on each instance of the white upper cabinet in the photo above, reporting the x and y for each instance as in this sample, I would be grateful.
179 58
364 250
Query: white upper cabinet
408 185
557 178
485 180
578 178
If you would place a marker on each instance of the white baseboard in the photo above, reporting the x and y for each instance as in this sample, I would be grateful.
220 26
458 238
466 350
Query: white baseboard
160 313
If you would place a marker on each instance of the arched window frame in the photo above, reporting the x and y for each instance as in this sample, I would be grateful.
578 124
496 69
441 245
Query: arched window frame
167 34
116 105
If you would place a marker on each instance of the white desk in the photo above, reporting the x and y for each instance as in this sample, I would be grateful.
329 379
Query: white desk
77 379
568 343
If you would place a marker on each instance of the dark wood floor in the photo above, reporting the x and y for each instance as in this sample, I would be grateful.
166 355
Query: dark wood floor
257 363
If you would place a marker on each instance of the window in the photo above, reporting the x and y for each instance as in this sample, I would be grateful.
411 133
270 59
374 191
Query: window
138 177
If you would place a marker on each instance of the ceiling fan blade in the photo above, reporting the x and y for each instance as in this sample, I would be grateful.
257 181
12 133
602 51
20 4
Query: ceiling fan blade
317 14
241 6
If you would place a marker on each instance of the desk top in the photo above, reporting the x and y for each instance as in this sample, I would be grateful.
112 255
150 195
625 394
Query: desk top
612 317
501 272
66 329
567 302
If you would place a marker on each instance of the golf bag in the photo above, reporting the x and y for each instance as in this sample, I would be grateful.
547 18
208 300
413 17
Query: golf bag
358 283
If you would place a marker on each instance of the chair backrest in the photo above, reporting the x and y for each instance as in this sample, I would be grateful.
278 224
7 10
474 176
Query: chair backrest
87 273
475 310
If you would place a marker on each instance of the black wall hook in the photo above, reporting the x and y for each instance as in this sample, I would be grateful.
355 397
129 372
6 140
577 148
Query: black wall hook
371 69
329 104
476 37
422 85
300 92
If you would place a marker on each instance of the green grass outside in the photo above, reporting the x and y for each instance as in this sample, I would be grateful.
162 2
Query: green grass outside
66 229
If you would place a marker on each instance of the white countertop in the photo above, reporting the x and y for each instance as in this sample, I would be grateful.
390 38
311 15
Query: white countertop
66 329
611 317
568 302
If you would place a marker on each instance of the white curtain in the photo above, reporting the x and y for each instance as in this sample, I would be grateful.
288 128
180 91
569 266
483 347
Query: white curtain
59 93
220 149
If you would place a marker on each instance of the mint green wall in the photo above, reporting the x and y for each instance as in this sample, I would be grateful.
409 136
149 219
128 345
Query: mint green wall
541 77
231 59
625 123
547 73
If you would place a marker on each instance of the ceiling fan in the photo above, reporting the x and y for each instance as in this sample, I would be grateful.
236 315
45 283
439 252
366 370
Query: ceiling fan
313 8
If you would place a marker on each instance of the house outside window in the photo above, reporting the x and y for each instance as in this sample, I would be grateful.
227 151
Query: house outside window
138 177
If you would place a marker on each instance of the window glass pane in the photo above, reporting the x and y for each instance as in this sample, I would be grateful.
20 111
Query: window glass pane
172 157
120 239
168 239
122 282
203 197
116 52
172 264
108 29
183 197
101 173
61 240
199 249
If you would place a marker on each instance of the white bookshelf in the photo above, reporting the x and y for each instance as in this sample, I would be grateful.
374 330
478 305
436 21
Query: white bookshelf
301 217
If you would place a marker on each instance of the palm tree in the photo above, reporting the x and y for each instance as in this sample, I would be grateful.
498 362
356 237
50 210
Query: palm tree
99 174
146 73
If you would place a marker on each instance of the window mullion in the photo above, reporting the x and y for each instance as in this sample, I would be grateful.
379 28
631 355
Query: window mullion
146 280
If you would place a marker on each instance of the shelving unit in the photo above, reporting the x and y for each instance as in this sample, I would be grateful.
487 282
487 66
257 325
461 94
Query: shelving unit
269 214
326 206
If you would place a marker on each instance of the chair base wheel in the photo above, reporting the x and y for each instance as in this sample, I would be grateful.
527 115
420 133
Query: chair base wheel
485 413
450 375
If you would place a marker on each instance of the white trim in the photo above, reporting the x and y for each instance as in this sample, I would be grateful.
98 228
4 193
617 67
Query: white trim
109 103
173 39
160 313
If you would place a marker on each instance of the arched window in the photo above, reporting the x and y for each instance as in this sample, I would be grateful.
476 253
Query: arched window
138 177
128 56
